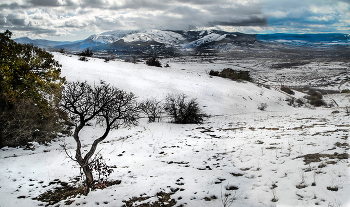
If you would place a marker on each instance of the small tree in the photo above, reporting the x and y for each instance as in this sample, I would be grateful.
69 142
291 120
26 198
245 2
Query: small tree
87 53
105 104
183 111
30 89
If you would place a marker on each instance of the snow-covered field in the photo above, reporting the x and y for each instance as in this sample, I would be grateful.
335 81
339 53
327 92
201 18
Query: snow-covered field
283 156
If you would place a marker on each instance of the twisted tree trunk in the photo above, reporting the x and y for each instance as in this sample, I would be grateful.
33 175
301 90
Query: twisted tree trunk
84 163
89 179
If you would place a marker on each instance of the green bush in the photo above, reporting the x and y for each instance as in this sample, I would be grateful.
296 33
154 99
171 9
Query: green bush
24 122
315 98
30 89
345 91
287 90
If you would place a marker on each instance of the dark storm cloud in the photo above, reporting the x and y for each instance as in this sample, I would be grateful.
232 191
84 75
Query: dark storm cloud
12 6
202 2
14 20
49 3
254 21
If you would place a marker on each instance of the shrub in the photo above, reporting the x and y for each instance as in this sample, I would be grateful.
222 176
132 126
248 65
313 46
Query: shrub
153 62
107 59
317 102
235 75
83 59
345 91
262 106
287 90
232 74
291 101
103 171
214 73
183 111
300 102
86 53
315 98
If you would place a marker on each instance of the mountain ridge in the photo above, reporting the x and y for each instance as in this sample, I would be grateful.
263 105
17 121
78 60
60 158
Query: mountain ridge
151 40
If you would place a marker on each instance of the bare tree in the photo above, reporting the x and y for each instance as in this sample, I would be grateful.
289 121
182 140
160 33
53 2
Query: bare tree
153 109
104 104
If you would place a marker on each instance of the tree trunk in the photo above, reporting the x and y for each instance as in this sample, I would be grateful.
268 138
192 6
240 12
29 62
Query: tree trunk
89 179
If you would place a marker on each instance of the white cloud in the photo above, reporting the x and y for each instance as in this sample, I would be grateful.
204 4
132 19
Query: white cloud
277 14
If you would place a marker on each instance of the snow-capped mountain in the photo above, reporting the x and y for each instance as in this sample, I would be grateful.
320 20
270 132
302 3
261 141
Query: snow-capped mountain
172 42
110 37
161 36
165 40
183 38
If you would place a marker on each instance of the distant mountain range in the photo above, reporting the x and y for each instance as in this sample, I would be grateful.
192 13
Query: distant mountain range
43 43
168 41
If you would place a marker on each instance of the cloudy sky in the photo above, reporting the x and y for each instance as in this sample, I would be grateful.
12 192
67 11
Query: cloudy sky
78 19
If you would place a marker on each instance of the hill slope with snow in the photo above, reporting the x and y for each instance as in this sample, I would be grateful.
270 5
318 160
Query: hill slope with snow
220 96
282 156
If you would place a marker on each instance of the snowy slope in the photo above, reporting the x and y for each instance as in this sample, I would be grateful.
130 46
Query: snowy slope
220 96
256 157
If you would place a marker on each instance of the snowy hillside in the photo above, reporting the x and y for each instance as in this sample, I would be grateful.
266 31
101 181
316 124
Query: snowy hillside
240 156
206 39
110 37
220 96
165 37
